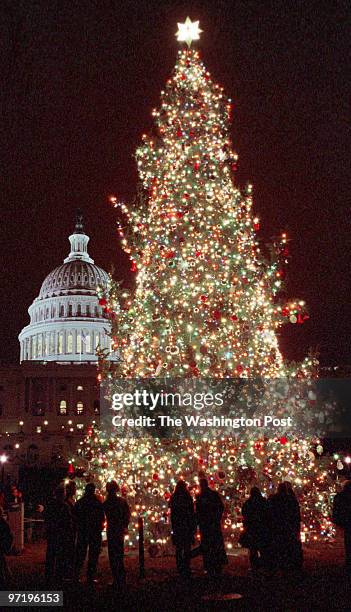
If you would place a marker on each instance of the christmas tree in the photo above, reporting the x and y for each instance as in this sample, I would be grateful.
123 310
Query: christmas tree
206 304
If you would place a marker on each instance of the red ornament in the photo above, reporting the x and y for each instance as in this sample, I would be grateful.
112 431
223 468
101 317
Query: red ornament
302 318
203 298
234 318
196 165
155 477
285 312
216 314
179 133
102 301
283 440
133 267
197 253
256 227
239 368
70 469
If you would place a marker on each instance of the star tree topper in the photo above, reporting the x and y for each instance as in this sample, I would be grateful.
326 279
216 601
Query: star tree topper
188 31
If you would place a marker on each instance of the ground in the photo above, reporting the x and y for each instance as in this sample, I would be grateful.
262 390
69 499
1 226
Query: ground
323 587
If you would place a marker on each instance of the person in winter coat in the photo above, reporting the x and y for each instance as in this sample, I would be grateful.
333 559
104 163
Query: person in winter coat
342 518
209 511
183 523
256 526
89 518
285 520
118 516
6 539
59 535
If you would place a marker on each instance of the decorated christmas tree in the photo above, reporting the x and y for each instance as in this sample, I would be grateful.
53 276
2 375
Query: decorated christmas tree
206 304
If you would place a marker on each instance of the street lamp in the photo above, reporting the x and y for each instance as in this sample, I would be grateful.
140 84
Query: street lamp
3 459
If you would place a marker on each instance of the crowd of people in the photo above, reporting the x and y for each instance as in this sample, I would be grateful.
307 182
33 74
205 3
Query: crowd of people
271 531
74 530
271 528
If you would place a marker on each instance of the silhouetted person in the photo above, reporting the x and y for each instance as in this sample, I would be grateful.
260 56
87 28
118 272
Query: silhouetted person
183 523
6 540
70 495
71 490
285 519
118 516
342 518
2 503
255 519
89 515
59 534
209 511
12 495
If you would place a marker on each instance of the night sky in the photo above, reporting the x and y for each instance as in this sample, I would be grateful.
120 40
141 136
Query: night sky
80 79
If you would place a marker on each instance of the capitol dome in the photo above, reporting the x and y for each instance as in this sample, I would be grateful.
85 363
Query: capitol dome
73 276
66 321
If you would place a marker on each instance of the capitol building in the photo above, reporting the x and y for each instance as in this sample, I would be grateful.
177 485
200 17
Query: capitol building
49 399
66 321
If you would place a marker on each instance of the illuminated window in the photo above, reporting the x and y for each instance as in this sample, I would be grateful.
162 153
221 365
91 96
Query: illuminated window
63 408
52 343
79 388
69 343
38 429
80 425
40 345
60 344
97 340
80 408
79 343
88 343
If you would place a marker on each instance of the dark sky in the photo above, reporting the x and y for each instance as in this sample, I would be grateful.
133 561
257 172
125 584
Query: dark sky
80 79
